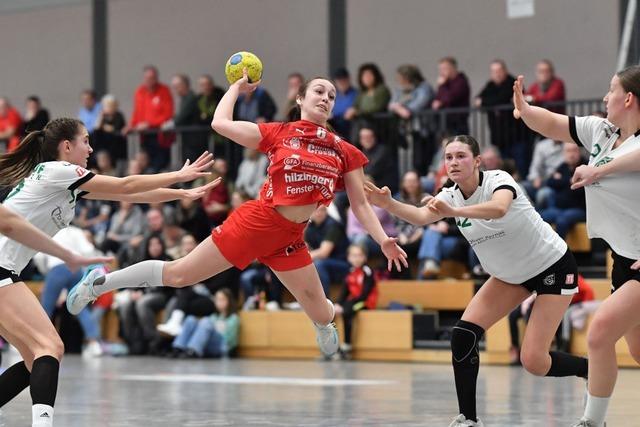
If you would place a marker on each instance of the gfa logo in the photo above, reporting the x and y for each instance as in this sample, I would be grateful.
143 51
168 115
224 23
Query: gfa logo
464 223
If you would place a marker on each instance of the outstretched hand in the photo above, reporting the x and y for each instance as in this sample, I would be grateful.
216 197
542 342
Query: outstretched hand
584 175
76 261
440 207
394 253
519 103
243 84
380 197
197 169
199 192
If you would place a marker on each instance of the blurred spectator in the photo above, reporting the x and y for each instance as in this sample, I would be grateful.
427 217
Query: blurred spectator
95 216
59 278
437 175
358 235
252 172
212 336
565 207
547 87
359 292
108 132
10 125
453 92
89 109
410 235
138 308
191 217
152 107
381 167
294 81
547 156
216 201
209 96
498 92
373 95
490 158
414 95
345 98
188 114
35 116
105 163
327 247
127 222
141 164
441 240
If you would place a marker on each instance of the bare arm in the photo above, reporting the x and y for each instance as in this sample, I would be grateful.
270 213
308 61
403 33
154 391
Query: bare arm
19 229
587 175
158 195
415 215
543 121
354 184
244 133
495 208
138 183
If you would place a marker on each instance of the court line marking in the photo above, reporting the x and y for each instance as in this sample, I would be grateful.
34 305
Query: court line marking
231 379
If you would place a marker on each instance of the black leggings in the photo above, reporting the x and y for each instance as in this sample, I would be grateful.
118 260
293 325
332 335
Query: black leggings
349 313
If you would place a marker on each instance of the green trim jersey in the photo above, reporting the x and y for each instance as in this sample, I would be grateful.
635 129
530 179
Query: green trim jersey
47 199
613 203
514 248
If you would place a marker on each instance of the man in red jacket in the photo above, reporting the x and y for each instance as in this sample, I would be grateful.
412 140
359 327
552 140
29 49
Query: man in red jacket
152 107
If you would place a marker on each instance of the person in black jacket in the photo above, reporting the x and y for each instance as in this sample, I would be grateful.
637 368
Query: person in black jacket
382 166
566 207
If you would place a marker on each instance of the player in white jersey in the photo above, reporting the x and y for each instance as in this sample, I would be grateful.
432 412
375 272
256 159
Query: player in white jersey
517 248
47 173
613 213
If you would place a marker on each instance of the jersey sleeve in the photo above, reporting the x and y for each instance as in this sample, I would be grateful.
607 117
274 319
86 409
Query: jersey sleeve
65 175
584 130
501 180
353 157
270 133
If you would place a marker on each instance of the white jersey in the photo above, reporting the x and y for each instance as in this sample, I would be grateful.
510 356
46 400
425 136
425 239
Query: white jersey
514 248
47 199
613 203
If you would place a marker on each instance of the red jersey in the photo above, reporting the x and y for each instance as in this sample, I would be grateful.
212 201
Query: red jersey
361 286
306 163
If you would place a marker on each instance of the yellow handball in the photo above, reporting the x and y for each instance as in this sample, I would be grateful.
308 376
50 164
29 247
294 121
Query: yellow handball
238 62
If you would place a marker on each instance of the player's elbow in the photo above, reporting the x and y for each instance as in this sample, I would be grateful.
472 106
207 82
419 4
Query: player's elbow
220 125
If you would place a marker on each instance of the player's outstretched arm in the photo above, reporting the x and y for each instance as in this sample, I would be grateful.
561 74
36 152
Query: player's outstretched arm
138 183
159 195
244 133
543 121
415 215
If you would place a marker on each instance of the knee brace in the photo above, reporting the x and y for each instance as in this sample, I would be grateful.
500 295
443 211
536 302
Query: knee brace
464 343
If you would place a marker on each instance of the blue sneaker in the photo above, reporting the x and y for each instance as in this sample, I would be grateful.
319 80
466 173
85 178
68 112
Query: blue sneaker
82 293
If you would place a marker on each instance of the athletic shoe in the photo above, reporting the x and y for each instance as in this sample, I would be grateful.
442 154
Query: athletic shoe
327 338
171 329
82 293
461 421
585 422
93 349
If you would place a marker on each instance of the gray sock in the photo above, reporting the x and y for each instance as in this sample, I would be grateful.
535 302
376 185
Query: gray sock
141 275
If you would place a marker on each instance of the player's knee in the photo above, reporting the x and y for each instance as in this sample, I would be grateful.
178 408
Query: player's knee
464 343
599 335
48 346
535 360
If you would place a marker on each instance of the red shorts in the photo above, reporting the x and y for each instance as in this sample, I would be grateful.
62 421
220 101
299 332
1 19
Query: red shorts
255 231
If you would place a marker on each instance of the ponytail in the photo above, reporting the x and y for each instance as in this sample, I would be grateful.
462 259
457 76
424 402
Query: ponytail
37 147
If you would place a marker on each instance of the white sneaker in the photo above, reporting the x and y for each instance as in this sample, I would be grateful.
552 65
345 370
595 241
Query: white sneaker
93 349
327 338
82 293
172 329
462 421
585 422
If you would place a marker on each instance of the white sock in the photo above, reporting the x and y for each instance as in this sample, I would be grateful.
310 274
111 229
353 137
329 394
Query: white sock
141 275
42 415
177 316
596 409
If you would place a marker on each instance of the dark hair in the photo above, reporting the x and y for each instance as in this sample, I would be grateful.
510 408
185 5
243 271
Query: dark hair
449 59
405 194
473 146
91 93
411 73
232 305
163 254
362 247
297 75
500 62
34 98
150 67
630 80
37 147
378 78
208 77
341 73
294 114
